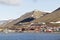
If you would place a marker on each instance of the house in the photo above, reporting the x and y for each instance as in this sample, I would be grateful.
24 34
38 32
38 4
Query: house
35 27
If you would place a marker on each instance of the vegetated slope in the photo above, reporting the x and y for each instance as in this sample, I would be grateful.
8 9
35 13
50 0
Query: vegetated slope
52 17
28 17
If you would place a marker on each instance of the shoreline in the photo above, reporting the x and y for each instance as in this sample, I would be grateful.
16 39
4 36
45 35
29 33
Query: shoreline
33 32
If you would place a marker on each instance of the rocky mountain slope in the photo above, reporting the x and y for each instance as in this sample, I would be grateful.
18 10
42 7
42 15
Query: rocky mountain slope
28 17
52 17
35 16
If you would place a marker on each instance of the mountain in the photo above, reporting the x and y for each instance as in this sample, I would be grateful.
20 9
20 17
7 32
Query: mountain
27 17
35 16
52 17
57 9
4 22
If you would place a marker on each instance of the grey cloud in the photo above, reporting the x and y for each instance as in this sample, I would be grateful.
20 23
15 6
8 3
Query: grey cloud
10 2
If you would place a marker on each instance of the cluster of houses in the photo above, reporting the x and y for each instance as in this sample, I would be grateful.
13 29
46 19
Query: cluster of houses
44 28
34 28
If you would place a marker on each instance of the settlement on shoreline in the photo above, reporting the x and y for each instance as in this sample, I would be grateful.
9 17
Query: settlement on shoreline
35 21
33 28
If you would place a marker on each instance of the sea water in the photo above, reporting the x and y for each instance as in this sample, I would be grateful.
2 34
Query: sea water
30 36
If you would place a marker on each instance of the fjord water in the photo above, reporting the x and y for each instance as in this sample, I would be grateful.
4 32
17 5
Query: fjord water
30 36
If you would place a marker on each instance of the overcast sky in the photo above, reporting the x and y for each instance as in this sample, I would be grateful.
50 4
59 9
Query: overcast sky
12 9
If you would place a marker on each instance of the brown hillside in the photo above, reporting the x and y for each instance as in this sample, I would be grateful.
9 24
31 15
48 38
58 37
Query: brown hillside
34 15
52 17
